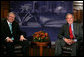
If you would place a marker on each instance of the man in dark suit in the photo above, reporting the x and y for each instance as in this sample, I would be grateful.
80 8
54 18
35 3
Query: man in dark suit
11 35
70 34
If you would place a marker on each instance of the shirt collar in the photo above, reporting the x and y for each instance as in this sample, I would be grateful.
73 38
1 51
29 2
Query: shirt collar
8 22
71 24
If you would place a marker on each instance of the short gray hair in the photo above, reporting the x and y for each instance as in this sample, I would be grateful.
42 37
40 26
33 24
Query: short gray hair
11 13
69 14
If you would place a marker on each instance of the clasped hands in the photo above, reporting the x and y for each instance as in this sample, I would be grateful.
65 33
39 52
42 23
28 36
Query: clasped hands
69 41
21 39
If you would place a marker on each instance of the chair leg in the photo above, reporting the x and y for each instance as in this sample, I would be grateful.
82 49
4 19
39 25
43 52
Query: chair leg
49 51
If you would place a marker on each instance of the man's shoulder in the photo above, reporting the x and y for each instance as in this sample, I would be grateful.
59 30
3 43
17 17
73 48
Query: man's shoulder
66 24
78 24
15 23
3 20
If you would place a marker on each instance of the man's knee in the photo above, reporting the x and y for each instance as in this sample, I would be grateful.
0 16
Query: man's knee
9 43
25 42
58 41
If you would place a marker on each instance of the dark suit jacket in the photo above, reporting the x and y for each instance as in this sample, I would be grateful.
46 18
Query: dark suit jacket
77 31
5 31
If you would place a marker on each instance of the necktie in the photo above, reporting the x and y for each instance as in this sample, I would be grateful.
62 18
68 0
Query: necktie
10 26
70 30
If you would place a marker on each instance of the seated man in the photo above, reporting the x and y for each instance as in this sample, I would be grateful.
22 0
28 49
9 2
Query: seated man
71 34
11 35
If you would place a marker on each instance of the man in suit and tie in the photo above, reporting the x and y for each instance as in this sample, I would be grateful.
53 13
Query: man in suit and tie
70 34
11 35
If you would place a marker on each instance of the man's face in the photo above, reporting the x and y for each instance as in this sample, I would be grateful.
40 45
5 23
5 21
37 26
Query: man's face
69 19
11 18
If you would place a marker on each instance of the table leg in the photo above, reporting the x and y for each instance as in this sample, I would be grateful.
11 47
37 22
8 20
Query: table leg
31 51
41 50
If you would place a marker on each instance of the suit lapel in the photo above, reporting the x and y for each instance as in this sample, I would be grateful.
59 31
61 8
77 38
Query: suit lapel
74 28
7 27
67 29
13 27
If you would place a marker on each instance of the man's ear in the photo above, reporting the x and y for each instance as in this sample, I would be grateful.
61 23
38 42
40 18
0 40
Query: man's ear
7 17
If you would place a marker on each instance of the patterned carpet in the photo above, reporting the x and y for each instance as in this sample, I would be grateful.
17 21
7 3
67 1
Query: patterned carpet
46 51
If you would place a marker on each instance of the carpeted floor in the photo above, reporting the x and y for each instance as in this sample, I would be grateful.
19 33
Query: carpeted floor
46 51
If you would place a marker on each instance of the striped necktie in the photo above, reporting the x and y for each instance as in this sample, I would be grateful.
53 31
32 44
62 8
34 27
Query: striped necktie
10 25
70 30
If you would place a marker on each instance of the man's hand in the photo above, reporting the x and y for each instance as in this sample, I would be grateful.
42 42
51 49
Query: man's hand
22 38
72 41
9 40
68 41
